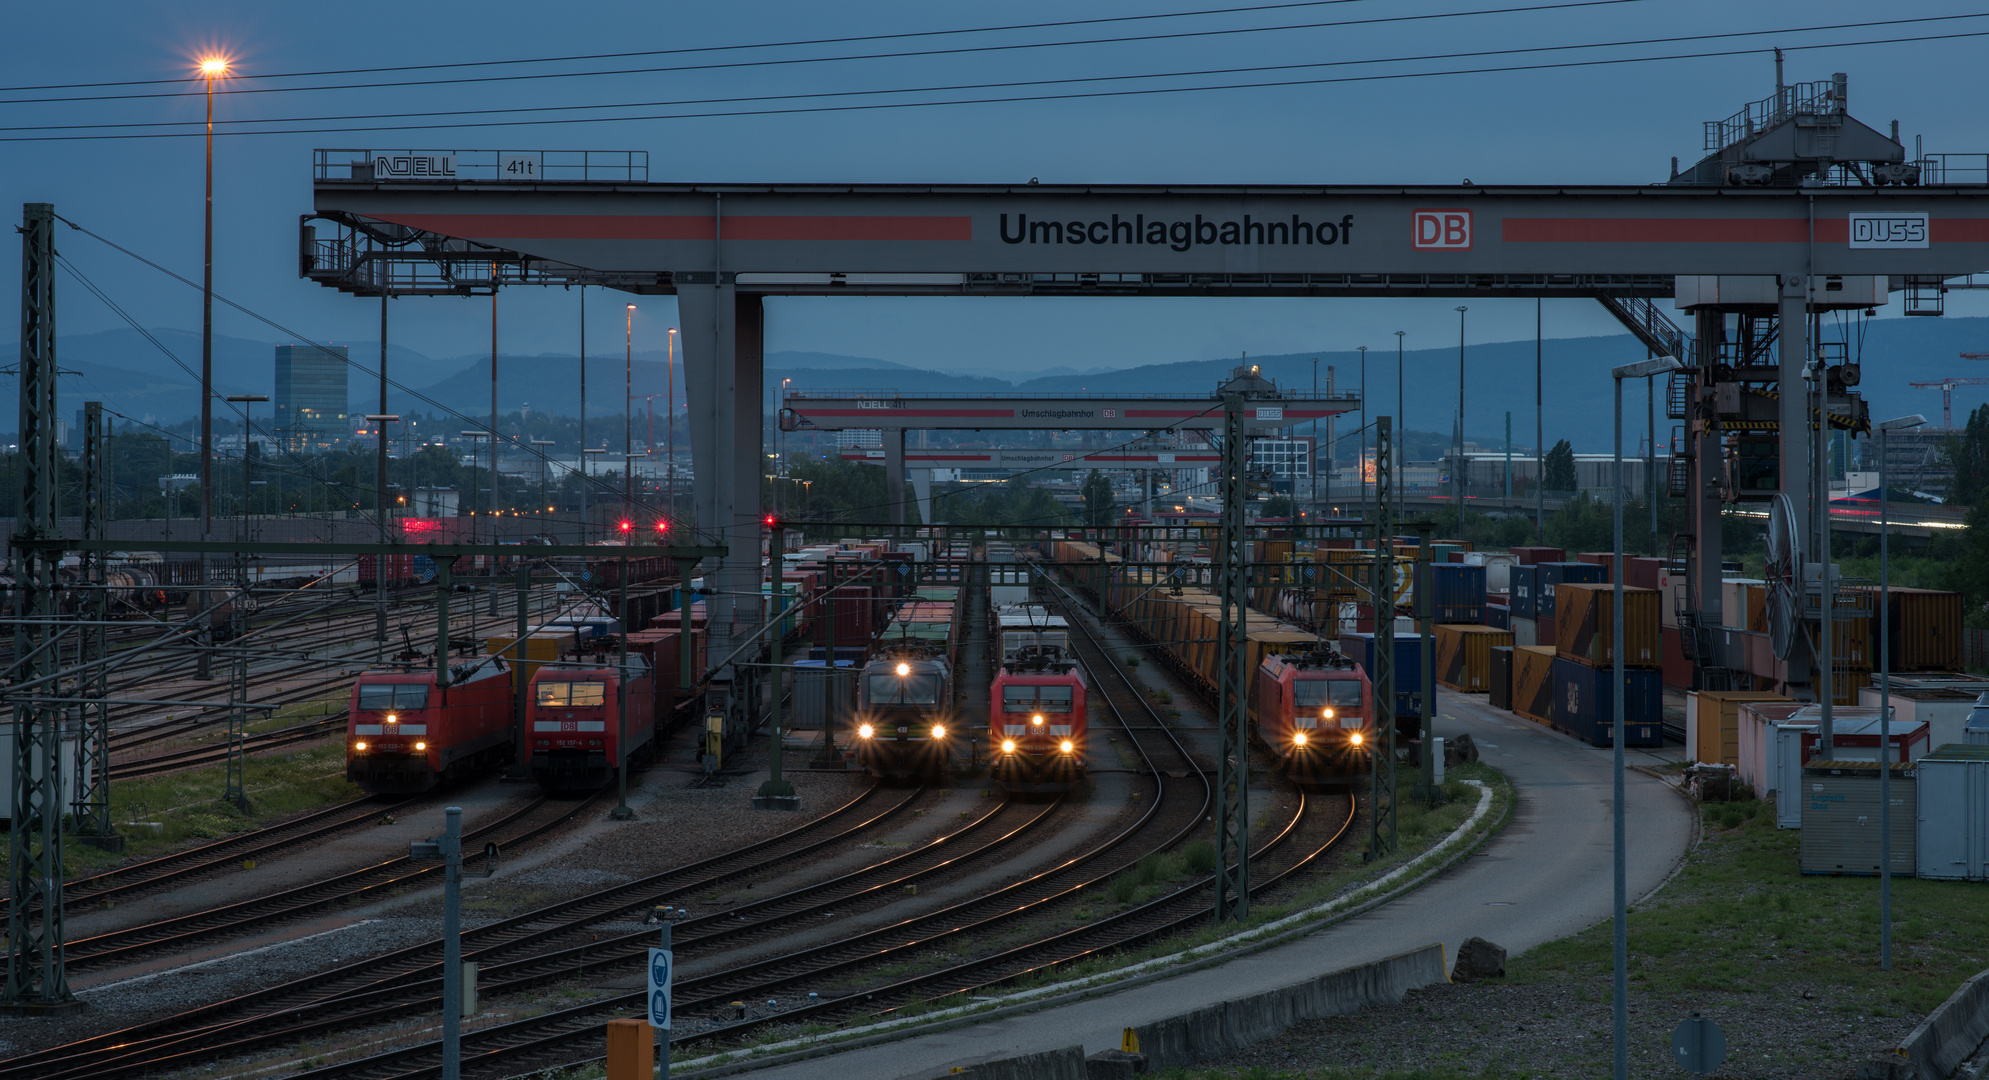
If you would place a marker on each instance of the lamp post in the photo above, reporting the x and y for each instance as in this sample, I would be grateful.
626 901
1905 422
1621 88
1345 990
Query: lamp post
1886 428
583 414
780 467
379 422
1400 419
1617 696
545 468
587 454
628 413
670 369
473 436
1362 453
212 68
1457 480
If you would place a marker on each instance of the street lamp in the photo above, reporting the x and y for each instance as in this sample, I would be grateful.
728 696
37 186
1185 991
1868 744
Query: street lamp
211 68
1886 428
780 467
473 436
670 369
586 486
379 422
545 467
1361 452
1457 481
628 414
1641 370
1401 423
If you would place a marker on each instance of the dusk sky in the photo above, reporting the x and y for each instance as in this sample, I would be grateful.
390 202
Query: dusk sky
1606 123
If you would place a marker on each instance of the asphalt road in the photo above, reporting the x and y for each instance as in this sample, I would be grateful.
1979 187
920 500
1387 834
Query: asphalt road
1546 876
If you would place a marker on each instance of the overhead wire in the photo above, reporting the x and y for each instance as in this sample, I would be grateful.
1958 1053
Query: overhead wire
195 130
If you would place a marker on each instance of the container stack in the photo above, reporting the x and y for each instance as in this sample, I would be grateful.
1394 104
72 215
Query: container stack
1585 656
1533 682
1464 655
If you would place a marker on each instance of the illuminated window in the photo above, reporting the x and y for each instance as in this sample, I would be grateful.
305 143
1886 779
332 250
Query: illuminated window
582 694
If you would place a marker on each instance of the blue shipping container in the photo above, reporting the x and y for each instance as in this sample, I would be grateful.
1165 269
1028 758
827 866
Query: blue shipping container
1498 616
1525 586
1408 672
1550 574
1459 592
1584 708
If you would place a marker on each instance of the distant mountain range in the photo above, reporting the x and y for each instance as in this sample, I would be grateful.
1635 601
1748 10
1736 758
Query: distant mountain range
134 378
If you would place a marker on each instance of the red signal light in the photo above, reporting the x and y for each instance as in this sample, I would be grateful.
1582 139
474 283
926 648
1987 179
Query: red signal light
662 526
772 522
626 526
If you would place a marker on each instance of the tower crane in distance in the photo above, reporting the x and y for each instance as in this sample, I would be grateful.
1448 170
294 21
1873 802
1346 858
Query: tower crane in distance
1946 387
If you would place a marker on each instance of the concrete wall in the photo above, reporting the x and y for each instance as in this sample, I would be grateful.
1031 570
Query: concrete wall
1950 1033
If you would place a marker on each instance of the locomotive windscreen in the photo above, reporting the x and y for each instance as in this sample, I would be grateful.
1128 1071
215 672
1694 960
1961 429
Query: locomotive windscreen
383 697
1339 693
1036 698
904 689
592 692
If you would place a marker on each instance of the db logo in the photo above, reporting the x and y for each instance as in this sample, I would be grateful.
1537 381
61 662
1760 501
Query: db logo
1441 230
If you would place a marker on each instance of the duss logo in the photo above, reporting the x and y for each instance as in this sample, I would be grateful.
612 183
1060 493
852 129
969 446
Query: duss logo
1441 230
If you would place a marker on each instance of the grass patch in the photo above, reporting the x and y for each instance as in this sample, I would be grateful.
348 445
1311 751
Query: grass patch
188 804
1740 918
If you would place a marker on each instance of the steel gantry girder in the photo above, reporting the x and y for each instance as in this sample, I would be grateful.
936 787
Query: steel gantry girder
37 980
1381 595
1233 683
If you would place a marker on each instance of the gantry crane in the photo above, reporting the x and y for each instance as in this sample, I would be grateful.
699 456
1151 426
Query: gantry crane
1946 387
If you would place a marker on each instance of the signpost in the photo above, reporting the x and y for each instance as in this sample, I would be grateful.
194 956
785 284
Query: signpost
1698 1045
662 966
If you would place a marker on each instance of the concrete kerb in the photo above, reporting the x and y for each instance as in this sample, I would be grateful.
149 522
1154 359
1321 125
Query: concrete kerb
1439 859
1951 1032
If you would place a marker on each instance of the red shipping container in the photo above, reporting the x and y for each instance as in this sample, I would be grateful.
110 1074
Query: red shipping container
1677 669
1528 556
1642 572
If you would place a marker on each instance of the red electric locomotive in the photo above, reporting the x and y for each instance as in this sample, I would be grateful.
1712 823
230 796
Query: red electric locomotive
573 718
1037 713
405 736
1315 711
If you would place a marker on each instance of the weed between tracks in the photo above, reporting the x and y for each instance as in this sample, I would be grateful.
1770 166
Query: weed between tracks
188 804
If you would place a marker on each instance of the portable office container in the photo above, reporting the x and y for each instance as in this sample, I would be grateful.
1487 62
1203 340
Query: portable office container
1712 723
1741 603
1551 575
1524 581
1976 731
1584 704
1533 682
1408 669
1464 656
1501 687
1951 818
1783 740
1758 766
1945 712
1585 628
1840 819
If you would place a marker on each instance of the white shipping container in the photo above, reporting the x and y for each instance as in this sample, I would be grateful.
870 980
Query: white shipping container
1498 568
1525 631
1951 819
1944 711
1976 731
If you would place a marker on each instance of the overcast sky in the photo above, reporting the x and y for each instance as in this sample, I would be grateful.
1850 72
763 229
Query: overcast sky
1614 123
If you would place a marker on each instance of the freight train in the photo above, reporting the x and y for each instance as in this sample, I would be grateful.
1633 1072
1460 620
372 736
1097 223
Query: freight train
904 716
1292 670
405 735
1036 706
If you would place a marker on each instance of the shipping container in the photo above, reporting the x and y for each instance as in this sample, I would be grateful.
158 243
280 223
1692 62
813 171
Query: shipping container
1531 556
1464 655
1498 617
1526 632
1759 767
1584 705
1408 669
821 698
1777 740
1951 818
1525 584
1604 559
1585 629
1501 688
1840 819
1550 575
1498 568
1925 628
1976 731
1457 593
1712 724
1533 682
1676 667
540 648
1642 571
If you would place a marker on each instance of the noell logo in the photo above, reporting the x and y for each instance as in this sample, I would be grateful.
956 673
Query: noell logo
1440 230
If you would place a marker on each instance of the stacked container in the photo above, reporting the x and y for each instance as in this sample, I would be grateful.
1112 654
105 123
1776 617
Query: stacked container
1925 630
1501 689
1408 668
1457 592
1464 656
1712 723
1586 648
1533 682
1585 702
1585 625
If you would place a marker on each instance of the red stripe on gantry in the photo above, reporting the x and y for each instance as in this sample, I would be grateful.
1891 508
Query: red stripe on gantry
1665 230
685 227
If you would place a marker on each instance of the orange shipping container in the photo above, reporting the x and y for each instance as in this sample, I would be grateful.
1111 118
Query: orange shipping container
1712 724
1464 655
1925 629
1584 625
1533 682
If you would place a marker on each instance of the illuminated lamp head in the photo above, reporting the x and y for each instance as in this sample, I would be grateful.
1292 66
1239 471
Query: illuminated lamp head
1068 746
1298 738
1008 746
1037 720
1325 714
392 719
939 731
359 746
865 731
213 67
904 670
421 746
1356 738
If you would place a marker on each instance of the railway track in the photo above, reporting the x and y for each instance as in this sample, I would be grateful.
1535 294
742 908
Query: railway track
304 1006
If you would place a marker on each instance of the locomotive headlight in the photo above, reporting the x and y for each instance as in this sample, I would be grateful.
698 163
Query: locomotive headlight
392 719
1037 720
865 731
1008 746
904 670
359 746
1068 746
939 731
1298 738
1325 714
1356 738
421 746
